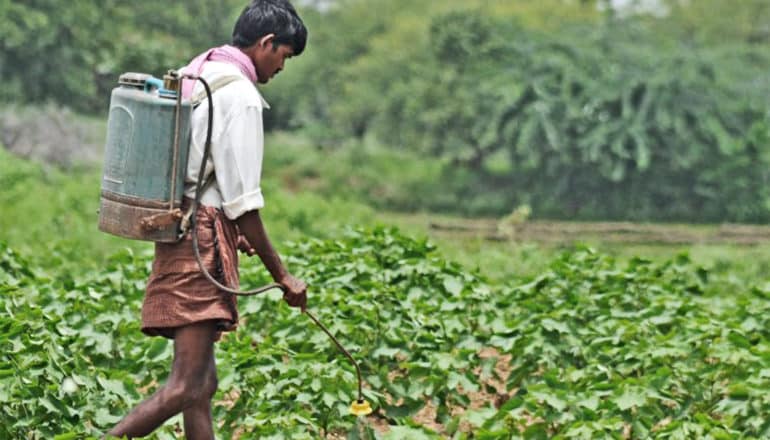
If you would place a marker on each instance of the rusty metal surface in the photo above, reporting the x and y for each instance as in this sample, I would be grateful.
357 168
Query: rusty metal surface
160 221
137 201
125 220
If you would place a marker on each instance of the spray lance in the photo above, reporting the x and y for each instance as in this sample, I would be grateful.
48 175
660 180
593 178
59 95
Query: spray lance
173 81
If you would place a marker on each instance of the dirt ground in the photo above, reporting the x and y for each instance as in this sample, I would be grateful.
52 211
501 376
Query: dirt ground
426 417
608 232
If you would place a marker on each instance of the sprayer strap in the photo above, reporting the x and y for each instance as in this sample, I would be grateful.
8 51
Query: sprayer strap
207 183
214 86
195 101
187 218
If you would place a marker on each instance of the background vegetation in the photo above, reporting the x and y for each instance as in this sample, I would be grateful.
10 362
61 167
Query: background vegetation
537 357
571 109
576 109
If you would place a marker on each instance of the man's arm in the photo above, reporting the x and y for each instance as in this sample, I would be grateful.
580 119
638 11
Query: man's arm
294 289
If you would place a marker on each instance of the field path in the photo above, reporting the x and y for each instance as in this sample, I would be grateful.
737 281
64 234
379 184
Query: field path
615 232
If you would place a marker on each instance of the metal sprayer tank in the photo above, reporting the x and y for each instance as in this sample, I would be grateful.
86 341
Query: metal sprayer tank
145 159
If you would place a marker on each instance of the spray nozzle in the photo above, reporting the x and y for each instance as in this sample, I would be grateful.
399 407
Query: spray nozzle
360 407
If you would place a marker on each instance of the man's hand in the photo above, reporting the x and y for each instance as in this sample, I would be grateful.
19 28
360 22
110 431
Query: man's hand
245 247
294 291
255 240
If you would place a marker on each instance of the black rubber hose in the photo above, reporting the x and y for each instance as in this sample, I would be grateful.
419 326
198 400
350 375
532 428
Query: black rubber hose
194 226
196 204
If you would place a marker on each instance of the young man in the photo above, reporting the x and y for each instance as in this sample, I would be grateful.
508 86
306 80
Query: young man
180 303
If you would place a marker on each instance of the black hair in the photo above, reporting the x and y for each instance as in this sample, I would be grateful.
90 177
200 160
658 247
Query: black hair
262 17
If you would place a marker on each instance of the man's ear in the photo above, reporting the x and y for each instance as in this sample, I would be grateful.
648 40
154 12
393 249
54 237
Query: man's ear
267 41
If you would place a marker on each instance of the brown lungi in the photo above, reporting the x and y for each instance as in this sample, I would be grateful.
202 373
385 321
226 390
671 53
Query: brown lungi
178 293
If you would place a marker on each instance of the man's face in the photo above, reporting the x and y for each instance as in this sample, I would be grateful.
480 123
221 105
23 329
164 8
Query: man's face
269 59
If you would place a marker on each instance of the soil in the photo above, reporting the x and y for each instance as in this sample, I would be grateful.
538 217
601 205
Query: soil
608 232
426 417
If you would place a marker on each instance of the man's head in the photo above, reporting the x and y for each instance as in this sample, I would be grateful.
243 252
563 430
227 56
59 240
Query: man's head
269 31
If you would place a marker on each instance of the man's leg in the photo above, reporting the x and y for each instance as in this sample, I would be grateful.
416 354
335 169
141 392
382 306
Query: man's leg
197 417
188 383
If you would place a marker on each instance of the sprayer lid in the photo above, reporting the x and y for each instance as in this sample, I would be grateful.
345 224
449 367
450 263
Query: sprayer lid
134 79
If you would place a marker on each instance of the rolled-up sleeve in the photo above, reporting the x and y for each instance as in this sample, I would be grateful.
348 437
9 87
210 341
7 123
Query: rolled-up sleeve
238 161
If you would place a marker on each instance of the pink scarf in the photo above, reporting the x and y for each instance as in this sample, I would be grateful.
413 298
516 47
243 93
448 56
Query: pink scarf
227 54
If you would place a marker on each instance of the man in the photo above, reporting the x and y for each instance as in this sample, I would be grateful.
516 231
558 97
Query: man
180 303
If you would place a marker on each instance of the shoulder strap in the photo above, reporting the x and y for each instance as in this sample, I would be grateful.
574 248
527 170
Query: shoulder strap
200 97
195 101
207 183
214 86
186 218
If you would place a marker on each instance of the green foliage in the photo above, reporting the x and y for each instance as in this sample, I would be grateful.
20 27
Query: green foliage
564 106
659 348
622 120
717 21
52 215
653 350
616 135
597 348
68 365
575 123
72 52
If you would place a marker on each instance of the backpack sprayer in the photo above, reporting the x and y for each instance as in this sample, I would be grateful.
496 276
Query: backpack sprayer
145 161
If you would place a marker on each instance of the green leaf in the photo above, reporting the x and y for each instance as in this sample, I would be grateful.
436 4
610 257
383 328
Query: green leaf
453 285
550 324
405 432
104 418
157 349
455 379
629 399
591 402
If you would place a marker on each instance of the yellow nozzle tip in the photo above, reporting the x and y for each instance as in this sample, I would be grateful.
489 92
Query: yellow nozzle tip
360 408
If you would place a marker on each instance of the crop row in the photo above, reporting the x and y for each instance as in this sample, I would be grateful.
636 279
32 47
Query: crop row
587 349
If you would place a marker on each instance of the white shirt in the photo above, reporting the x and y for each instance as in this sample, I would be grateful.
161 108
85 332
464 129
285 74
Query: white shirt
237 143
